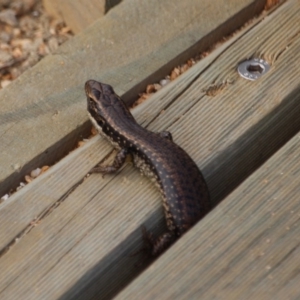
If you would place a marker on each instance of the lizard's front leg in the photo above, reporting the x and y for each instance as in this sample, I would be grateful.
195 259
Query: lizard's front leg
115 166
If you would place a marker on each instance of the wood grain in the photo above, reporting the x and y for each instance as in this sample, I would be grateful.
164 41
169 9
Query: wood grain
81 250
43 112
38 196
247 248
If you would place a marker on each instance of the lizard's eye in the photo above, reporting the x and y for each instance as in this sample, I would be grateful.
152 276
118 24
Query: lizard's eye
96 93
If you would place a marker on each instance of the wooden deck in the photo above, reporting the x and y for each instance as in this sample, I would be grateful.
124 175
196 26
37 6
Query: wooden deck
246 248
70 236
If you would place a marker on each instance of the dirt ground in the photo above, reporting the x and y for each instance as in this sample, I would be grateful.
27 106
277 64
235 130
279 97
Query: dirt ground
27 34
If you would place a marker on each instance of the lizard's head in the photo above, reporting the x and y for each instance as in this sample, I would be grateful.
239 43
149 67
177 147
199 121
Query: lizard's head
104 105
99 100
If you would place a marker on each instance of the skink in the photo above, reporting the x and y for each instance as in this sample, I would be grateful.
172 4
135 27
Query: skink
184 191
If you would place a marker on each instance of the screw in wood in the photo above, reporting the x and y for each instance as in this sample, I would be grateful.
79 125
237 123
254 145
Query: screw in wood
253 69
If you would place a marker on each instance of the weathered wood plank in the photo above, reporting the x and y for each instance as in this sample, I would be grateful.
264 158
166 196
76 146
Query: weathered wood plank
55 183
78 14
67 173
82 247
43 111
247 248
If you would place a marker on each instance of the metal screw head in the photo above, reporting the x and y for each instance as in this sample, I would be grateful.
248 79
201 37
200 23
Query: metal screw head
253 69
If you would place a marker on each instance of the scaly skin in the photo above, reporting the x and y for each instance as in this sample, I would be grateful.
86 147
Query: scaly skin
184 191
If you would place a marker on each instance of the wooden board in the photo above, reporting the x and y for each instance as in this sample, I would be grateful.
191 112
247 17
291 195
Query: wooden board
247 248
43 112
81 249
63 176
50 187
79 14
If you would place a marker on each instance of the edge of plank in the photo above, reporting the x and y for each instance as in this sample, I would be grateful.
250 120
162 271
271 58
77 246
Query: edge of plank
247 247
52 115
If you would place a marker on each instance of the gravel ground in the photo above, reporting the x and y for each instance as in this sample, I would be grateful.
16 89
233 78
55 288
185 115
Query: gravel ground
27 34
